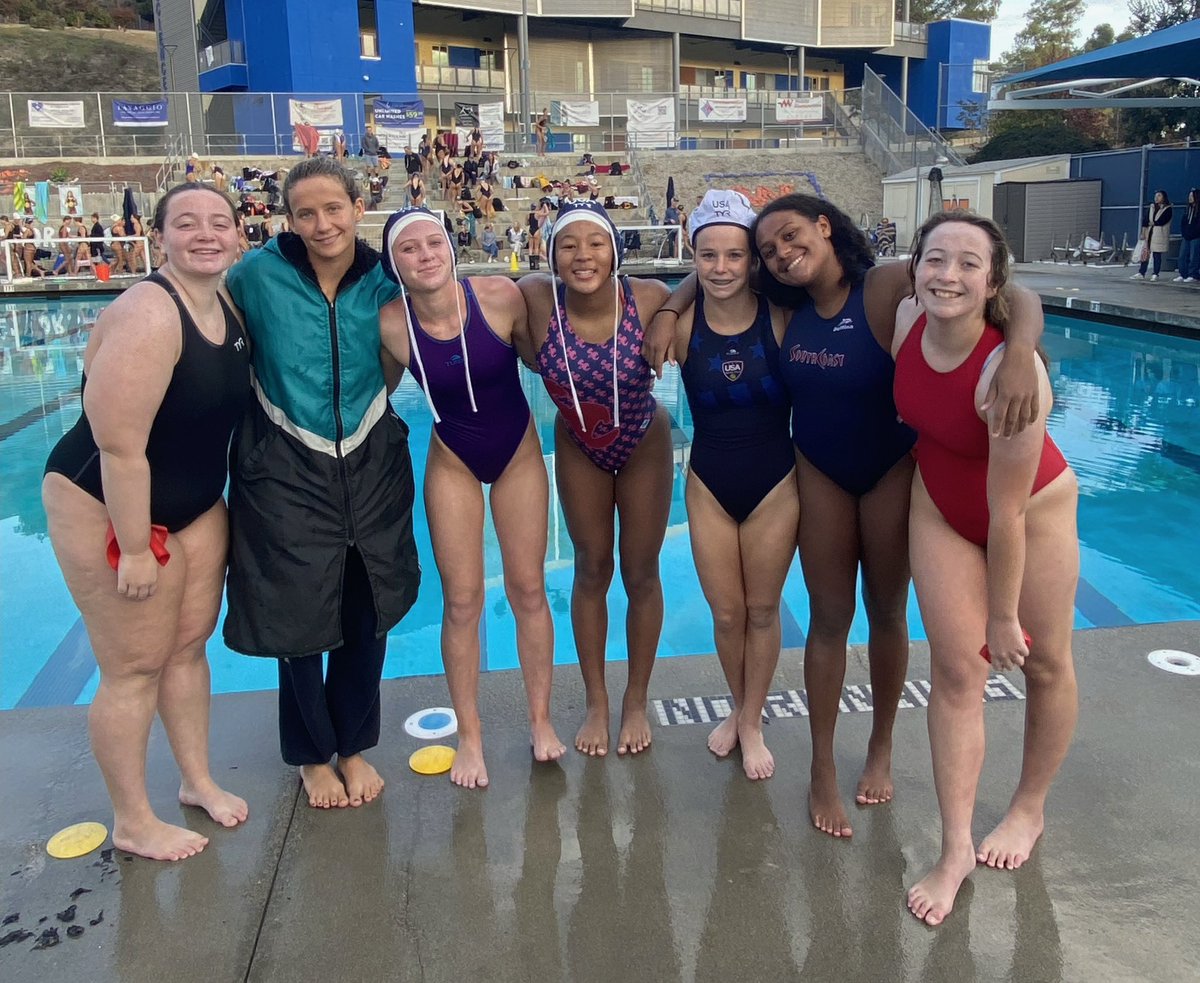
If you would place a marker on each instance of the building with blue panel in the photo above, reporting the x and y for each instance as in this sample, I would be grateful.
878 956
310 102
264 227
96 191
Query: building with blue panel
953 72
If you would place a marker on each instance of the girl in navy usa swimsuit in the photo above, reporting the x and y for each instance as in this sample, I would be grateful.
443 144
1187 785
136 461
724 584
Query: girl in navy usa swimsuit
741 495
460 341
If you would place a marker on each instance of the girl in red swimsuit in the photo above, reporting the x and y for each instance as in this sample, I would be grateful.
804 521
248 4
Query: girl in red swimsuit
993 547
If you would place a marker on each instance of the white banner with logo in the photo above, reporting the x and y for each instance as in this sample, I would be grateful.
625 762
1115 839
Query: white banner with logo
491 124
650 123
723 110
324 112
55 115
574 113
800 108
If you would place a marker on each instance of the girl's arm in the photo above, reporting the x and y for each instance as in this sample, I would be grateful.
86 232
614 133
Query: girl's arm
1012 402
1012 466
393 342
127 379
658 345
537 289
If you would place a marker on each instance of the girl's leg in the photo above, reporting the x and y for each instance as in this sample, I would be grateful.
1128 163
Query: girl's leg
352 684
307 737
883 529
588 498
184 689
644 504
951 578
766 546
829 552
520 507
717 554
1047 610
132 641
1157 257
454 505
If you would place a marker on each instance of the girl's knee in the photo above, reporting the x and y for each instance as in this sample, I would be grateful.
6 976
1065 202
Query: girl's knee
640 578
593 571
462 607
729 618
762 616
525 596
830 617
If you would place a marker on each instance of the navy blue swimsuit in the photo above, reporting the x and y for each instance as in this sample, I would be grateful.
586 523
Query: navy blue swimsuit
739 404
844 419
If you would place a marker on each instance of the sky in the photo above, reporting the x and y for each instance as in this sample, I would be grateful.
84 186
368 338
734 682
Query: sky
1012 19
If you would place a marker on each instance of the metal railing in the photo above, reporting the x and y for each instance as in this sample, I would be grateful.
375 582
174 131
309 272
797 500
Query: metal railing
908 31
434 76
48 242
719 9
892 136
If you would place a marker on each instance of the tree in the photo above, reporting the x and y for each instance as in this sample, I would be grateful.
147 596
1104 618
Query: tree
928 11
1036 138
1140 126
1102 36
1147 16
1048 34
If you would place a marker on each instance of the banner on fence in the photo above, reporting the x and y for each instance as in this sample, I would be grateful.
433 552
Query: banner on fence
799 109
322 112
574 113
466 115
70 199
723 110
139 113
55 115
651 123
399 115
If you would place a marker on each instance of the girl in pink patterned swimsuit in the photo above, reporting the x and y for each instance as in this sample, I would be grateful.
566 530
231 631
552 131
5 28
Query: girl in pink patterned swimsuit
613 453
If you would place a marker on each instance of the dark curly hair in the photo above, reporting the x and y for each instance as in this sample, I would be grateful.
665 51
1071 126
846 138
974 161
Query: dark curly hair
850 245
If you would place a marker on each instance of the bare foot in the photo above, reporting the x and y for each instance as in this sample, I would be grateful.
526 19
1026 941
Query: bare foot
825 807
634 735
468 769
324 787
222 807
875 786
363 782
545 742
1010 844
757 760
157 840
724 737
931 899
592 738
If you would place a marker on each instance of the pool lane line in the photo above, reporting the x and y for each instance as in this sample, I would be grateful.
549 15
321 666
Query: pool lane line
60 681
1098 609
31 416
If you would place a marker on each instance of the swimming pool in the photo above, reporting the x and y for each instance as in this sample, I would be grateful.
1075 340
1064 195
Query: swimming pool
1127 416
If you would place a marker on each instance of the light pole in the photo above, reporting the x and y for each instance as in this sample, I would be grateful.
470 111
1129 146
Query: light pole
789 50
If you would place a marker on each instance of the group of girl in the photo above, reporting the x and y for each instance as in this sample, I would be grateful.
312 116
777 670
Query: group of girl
321 496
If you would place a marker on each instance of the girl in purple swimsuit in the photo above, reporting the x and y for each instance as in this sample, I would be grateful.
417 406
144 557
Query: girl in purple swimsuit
461 342
612 450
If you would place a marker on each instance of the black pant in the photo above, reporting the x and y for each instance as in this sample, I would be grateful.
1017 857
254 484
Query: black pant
339 713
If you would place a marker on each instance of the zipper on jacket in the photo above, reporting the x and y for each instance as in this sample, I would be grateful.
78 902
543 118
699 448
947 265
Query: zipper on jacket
339 431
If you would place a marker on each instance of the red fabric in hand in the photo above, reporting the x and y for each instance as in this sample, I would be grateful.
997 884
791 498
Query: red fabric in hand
158 545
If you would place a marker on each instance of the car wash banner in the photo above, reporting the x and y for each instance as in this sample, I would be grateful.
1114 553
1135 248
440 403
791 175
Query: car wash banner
396 122
571 114
800 108
651 123
723 110
55 115
139 113
317 112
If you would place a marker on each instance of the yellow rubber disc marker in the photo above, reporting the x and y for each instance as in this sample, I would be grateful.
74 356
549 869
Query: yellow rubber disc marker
77 840
433 759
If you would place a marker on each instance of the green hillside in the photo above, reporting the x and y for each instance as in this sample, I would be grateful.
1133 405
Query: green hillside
77 60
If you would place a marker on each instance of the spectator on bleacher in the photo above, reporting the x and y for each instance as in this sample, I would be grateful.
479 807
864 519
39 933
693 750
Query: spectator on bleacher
425 153
29 250
83 251
137 257
535 237
412 162
672 217
485 198
117 231
464 240
471 169
516 237
266 230
370 147
191 169
218 178
374 191
339 144
541 131
415 189
458 179
66 250
445 168
475 148
487 240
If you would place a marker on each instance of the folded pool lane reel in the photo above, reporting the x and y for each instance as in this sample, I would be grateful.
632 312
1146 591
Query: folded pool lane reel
429 725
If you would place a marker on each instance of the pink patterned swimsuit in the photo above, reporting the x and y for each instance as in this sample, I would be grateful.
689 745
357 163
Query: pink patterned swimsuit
608 443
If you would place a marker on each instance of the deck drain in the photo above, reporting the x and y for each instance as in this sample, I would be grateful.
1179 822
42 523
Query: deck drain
1172 660
432 723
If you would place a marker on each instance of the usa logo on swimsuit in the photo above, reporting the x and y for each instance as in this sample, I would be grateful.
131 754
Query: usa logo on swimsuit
732 369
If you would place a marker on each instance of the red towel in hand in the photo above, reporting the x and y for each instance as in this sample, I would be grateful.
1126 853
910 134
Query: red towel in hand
158 545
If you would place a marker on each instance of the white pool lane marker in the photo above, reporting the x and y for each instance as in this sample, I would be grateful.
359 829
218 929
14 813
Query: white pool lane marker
785 704
431 723
1172 660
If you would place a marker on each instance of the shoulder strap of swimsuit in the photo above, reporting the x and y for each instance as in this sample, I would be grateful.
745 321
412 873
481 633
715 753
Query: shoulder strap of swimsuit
185 317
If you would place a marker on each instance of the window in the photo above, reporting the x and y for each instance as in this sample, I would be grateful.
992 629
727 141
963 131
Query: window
979 75
439 56
647 79
368 30
490 60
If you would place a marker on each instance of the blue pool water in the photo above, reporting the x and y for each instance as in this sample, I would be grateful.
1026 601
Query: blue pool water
1127 416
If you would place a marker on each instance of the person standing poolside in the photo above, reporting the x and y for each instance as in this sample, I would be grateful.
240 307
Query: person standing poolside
853 464
742 504
995 550
322 553
1156 234
1189 243
612 452
166 377
461 343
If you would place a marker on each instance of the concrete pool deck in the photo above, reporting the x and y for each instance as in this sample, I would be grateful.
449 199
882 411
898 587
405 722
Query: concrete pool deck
670 866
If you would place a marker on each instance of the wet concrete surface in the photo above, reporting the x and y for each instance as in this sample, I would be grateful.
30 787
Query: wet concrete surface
670 866
1108 291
